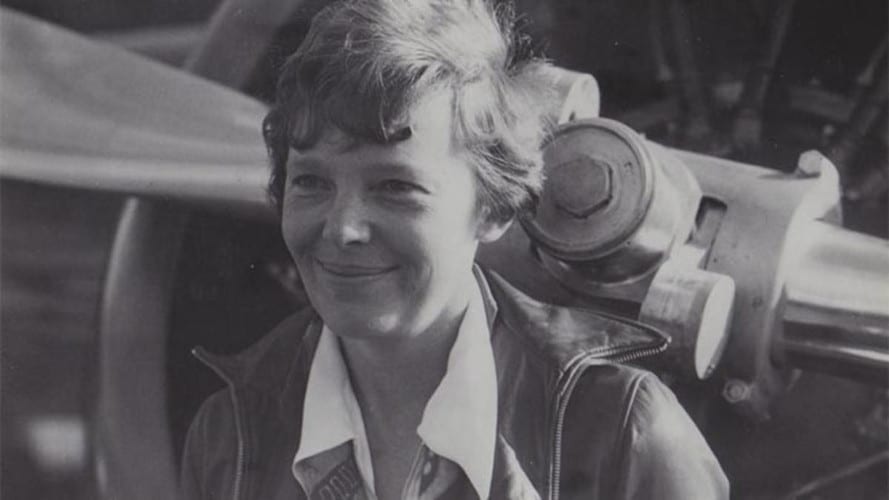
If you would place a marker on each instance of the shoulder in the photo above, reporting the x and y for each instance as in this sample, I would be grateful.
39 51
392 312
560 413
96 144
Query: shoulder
647 442
212 435
254 402
609 401
637 399
255 378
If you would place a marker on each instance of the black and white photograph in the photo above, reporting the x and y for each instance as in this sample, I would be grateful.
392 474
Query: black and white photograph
444 250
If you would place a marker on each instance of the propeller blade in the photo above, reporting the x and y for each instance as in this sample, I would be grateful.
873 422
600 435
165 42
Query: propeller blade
88 115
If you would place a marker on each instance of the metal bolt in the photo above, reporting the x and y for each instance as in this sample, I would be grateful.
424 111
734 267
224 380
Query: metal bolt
581 186
736 391
811 163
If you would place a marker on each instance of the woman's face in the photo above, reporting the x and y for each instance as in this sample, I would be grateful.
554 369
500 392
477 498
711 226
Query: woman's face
384 236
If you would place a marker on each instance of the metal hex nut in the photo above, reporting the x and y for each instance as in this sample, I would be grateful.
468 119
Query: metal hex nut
582 186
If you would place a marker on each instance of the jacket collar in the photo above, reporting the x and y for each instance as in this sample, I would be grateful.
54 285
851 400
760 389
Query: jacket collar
276 366
563 334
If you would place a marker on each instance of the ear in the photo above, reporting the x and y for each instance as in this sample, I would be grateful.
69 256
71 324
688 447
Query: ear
491 229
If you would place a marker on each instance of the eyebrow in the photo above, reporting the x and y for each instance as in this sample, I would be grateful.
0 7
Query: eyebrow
302 161
395 167
311 162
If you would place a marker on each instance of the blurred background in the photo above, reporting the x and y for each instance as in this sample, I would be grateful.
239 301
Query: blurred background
754 80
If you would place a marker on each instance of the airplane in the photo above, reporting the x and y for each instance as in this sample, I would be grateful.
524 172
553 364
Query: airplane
748 269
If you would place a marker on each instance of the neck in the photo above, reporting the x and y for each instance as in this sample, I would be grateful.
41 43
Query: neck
400 375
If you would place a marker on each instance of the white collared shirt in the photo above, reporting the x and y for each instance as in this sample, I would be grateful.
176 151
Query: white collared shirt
459 422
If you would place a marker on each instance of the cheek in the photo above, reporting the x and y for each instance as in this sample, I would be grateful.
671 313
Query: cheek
446 246
297 227
450 237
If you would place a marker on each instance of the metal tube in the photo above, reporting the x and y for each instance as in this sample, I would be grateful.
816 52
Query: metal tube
867 110
843 473
836 312
747 129
698 128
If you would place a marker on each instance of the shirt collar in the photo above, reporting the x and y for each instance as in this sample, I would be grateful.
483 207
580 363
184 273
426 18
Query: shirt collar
329 401
460 419
458 423
331 415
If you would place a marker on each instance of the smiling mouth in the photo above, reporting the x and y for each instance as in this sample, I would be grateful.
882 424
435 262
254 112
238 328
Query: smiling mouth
353 270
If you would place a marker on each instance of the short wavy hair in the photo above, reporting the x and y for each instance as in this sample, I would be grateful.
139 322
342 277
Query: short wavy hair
364 63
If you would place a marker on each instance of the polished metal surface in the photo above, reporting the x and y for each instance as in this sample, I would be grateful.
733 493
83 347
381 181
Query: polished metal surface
572 96
754 241
695 308
836 311
841 279
838 357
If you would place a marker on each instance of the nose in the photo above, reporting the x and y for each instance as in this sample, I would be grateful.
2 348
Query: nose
347 221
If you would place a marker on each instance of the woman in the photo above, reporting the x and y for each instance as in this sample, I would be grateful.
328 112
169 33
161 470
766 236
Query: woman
404 134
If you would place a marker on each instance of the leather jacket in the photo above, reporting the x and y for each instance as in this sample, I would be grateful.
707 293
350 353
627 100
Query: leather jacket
573 421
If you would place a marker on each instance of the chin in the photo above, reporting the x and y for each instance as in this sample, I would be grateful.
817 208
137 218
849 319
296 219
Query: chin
363 324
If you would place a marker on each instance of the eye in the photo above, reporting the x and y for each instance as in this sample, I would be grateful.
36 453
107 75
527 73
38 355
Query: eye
309 183
400 187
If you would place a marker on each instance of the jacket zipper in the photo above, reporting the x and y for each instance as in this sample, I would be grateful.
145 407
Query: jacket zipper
566 386
240 463
240 460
